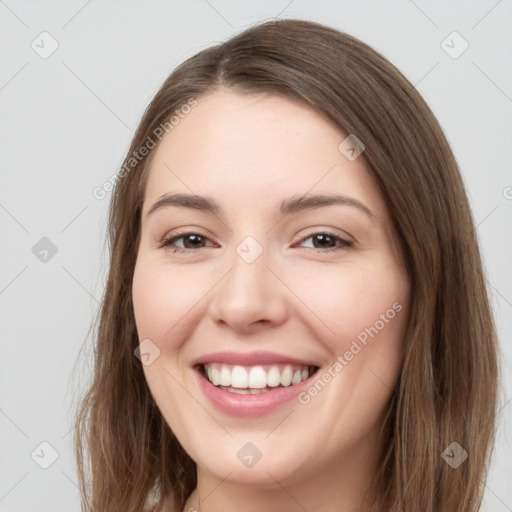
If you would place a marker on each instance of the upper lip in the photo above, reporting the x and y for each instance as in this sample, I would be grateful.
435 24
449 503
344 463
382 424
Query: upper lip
250 359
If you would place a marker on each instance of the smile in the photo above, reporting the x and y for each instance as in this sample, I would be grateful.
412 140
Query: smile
251 384
255 379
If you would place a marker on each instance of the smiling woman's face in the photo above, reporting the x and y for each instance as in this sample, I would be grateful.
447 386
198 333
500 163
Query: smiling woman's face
261 286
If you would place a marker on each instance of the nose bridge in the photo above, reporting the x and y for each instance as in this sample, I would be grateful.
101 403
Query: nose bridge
249 292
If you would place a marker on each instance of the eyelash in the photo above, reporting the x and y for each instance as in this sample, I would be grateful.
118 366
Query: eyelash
344 244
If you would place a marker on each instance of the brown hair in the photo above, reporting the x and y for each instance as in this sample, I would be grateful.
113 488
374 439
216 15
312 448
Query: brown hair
447 390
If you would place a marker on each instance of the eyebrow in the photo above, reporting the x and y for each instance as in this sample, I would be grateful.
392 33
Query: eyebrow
289 206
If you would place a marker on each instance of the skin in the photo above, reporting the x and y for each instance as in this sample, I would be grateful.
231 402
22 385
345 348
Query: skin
249 152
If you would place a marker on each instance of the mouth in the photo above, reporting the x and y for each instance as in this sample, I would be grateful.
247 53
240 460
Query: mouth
254 380
254 384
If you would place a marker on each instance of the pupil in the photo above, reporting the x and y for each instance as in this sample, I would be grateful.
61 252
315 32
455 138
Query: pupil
192 237
323 238
196 240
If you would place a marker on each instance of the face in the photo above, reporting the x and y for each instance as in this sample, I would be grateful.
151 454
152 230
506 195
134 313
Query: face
267 292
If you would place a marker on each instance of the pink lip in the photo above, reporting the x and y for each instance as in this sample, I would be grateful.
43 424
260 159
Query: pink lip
249 405
250 359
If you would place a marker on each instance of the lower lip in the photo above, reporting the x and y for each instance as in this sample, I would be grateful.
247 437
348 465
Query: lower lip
235 404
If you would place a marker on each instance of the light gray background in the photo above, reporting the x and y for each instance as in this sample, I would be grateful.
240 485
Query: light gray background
66 123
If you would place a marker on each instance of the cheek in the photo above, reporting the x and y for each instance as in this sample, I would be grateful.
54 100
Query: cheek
163 300
363 312
366 310
356 303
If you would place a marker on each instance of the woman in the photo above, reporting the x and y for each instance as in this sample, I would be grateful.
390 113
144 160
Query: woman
295 316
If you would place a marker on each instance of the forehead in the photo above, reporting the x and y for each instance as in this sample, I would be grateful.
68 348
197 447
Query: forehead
253 151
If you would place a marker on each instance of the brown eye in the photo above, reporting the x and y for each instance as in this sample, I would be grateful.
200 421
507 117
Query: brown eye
324 242
191 241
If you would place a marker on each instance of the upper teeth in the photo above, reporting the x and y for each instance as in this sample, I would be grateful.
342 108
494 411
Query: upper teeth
256 377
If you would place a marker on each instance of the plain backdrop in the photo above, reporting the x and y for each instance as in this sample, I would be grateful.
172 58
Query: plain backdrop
66 121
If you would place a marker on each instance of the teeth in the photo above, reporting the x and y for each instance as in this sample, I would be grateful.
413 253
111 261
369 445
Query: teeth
296 377
257 378
286 376
274 377
225 376
254 379
215 376
239 377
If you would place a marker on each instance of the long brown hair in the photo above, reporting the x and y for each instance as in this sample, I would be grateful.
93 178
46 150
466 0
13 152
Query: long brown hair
447 390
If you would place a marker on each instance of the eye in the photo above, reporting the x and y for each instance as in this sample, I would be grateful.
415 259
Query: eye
193 240
326 240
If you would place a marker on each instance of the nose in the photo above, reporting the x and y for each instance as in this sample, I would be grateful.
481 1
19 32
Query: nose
250 297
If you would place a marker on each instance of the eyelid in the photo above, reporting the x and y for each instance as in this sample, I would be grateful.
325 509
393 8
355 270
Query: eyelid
345 244
346 241
165 241
327 231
